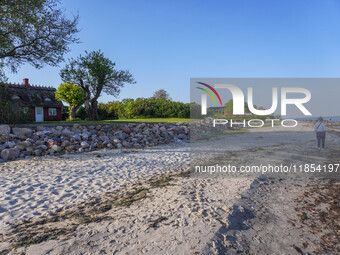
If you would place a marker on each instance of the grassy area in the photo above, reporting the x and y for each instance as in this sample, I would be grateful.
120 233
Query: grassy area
169 120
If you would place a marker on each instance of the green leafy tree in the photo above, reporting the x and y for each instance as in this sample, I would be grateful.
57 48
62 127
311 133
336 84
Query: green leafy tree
161 94
95 74
71 94
35 32
109 110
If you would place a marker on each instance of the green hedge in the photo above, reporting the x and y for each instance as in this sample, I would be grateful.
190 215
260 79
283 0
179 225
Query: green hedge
143 108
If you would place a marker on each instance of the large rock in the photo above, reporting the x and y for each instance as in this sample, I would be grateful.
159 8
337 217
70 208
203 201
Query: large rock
77 137
2 147
146 132
30 149
43 133
39 142
70 148
20 147
41 128
84 144
26 143
121 136
50 151
93 132
59 128
163 129
22 132
67 132
85 136
65 144
10 154
110 146
10 144
5 130
137 146
50 143
104 138
37 152
183 137
76 127
126 144
115 140
5 154
56 148
42 147
126 130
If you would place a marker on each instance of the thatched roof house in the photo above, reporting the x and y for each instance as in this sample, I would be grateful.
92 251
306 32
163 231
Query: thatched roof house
38 98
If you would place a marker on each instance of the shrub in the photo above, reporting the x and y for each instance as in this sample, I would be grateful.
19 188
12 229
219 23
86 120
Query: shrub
144 108
109 110
81 113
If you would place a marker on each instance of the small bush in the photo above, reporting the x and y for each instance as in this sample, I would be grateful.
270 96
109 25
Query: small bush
81 113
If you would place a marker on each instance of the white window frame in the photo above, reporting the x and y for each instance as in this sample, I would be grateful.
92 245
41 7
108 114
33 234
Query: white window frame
52 112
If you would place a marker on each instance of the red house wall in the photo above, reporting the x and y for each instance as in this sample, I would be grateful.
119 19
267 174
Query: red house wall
58 117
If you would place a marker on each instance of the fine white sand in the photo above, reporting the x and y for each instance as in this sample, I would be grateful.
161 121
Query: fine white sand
33 187
191 216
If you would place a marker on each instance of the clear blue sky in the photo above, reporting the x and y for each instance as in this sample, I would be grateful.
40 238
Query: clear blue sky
165 43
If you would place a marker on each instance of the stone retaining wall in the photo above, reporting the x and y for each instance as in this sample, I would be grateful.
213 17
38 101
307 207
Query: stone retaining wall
23 142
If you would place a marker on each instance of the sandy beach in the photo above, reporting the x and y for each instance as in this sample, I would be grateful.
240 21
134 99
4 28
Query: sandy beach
169 127
144 202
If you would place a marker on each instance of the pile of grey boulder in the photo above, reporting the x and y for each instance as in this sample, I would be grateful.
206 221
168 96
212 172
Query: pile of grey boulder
24 142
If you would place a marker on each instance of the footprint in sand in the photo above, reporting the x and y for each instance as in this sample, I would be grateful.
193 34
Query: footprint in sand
13 202
65 196
58 179
30 189
54 192
2 209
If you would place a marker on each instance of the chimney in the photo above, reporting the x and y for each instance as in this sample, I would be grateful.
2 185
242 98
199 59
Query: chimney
26 84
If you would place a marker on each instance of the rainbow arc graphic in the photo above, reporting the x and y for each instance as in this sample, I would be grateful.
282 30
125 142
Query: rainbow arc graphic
209 93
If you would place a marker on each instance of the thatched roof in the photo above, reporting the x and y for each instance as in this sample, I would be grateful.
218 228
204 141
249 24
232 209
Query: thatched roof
32 95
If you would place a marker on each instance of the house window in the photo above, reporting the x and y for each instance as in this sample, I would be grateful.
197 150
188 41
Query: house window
52 111
47 99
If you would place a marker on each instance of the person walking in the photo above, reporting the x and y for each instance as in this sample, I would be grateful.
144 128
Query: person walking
320 130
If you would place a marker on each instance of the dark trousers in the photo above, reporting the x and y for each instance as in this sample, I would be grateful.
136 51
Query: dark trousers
321 137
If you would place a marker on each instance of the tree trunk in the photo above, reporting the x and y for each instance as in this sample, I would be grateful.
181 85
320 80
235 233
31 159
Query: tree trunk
91 105
93 110
87 101
72 112
87 107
